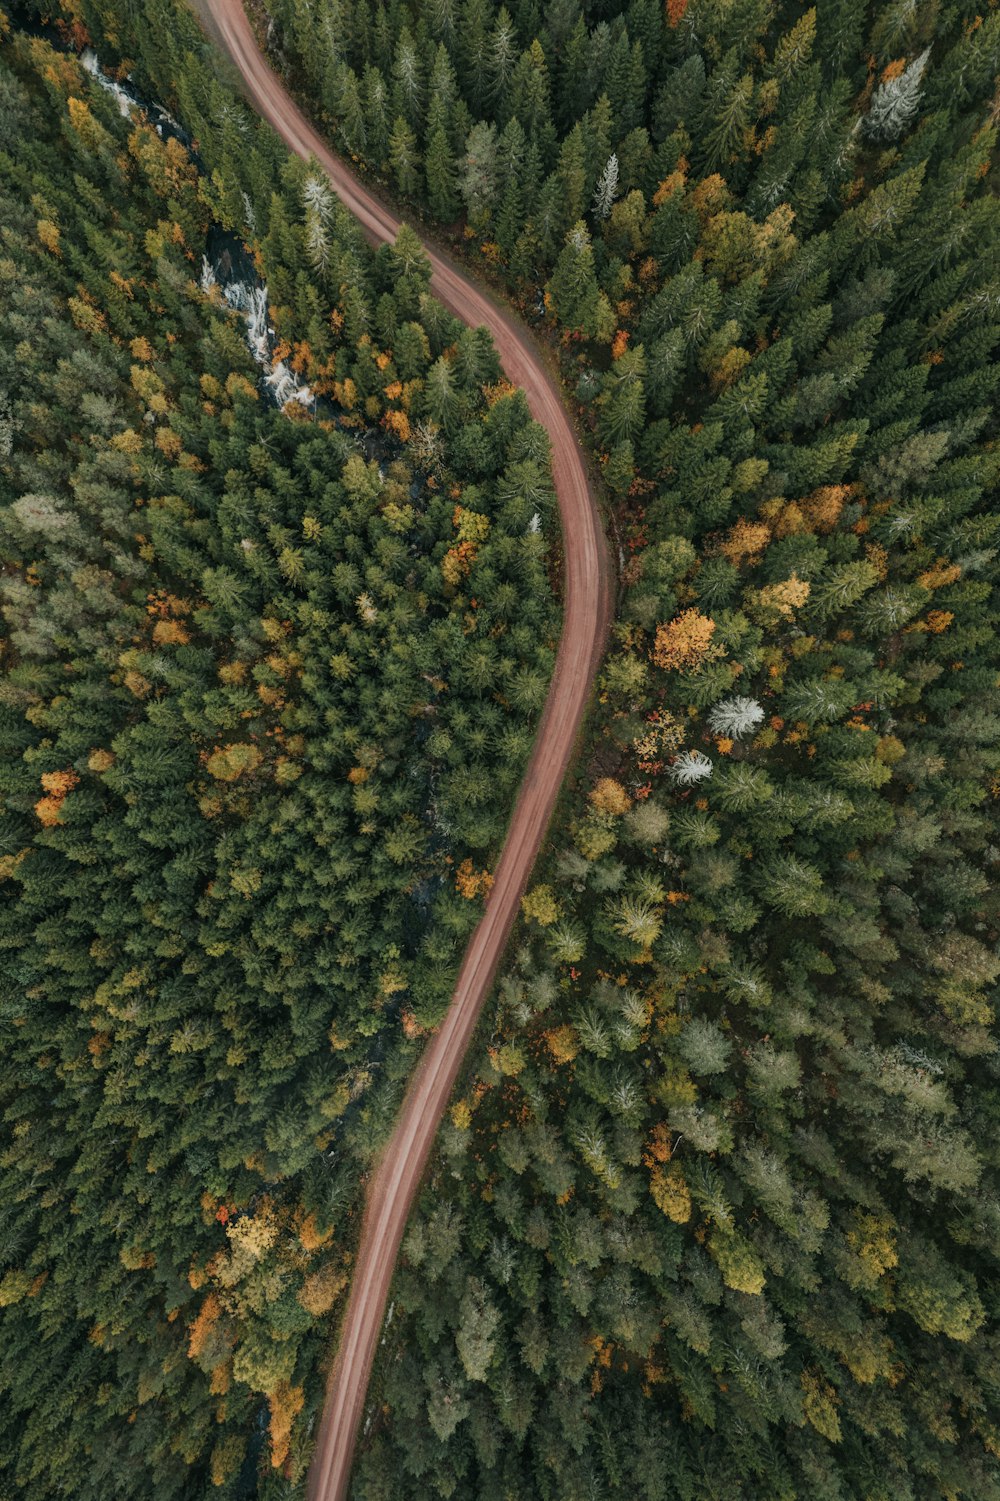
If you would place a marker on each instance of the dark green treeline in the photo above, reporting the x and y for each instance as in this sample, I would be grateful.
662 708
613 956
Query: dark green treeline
268 682
717 1214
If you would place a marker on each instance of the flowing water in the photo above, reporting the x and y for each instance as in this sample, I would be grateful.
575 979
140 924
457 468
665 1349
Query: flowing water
226 267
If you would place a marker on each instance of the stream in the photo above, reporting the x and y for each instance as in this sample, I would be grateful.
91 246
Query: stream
225 263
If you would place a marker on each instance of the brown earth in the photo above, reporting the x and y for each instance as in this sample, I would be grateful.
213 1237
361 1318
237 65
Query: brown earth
586 615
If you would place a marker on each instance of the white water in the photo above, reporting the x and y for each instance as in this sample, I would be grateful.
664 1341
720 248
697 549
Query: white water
125 101
281 381
123 97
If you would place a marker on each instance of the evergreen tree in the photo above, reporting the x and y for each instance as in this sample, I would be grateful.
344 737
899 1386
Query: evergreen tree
607 188
439 168
895 103
479 173
573 289
712 1211
219 661
403 157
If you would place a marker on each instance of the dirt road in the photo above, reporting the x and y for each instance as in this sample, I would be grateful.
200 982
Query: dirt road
587 609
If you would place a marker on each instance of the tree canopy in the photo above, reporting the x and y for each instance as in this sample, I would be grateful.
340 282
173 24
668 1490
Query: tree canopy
714 1212
269 680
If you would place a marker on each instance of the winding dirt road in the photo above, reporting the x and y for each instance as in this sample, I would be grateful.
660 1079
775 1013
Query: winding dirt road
586 615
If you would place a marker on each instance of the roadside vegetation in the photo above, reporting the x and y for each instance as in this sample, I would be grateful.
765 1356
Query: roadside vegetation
270 679
715 1213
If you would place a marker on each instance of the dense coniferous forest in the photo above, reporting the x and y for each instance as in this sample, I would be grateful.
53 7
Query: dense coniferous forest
270 678
715 1214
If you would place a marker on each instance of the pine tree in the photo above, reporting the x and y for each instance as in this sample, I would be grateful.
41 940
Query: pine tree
735 717
318 201
512 178
607 188
723 139
375 98
443 21
439 169
472 50
691 768
895 103
529 96
573 288
570 180
404 158
625 83
443 87
349 110
501 52
408 80
479 173
573 92
621 407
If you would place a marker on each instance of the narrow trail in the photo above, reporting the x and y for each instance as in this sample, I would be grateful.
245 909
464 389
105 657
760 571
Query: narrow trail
586 617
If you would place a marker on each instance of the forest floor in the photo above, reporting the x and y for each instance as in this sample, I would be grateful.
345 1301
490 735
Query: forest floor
587 605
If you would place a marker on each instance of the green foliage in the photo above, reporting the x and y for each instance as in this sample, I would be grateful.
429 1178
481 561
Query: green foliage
717 1214
269 679
764 1072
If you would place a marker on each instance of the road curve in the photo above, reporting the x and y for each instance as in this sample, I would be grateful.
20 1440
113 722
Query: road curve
586 616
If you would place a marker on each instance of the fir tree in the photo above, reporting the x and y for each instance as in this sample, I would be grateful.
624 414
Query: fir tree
895 103
607 188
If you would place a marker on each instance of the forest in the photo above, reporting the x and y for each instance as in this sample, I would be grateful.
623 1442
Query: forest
715 1212
270 677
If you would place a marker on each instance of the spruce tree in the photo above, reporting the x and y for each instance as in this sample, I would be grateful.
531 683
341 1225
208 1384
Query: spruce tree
895 103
